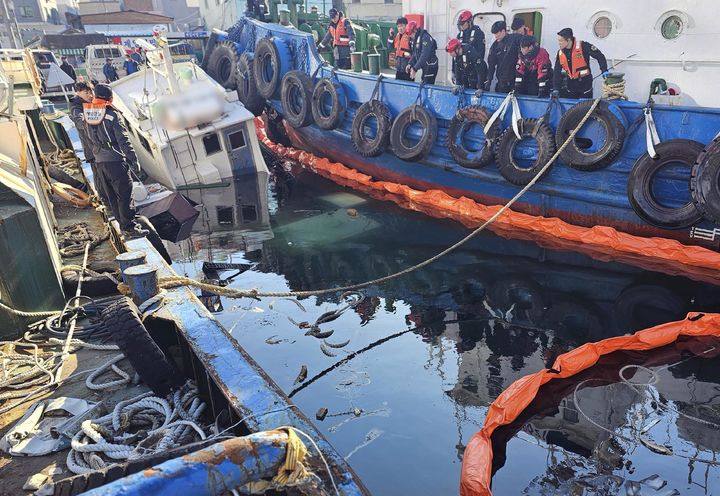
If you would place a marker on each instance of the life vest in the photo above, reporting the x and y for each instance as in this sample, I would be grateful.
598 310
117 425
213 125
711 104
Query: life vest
402 45
580 67
339 33
94 113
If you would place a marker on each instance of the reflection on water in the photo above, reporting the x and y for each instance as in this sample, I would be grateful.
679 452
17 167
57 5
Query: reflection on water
407 374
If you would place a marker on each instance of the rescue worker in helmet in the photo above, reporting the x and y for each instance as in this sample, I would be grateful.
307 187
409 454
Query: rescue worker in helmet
502 58
400 42
470 35
468 67
423 47
572 75
342 36
533 74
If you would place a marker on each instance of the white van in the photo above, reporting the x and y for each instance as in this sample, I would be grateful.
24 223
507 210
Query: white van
95 57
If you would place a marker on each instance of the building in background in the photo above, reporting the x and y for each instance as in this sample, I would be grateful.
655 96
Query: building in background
380 10
124 23
98 6
23 22
221 14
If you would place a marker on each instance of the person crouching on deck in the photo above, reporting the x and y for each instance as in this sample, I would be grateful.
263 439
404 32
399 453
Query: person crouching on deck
342 36
533 74
573 65
423 57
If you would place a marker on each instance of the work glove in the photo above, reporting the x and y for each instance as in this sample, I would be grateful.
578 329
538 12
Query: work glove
321 46
487 86
605 74
391 34
352 46
555 93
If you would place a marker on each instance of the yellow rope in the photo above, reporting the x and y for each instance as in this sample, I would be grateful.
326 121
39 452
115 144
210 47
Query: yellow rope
292 473
615 91
172 282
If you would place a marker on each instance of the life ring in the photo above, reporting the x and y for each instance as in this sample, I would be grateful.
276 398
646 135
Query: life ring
645 172
520 164
272 59
328 106
583 153
246 89
406 149
369 140
127 330
72 195
705 182
223 63
296 97
459 143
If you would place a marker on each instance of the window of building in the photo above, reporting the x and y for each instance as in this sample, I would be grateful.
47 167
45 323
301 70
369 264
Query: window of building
249 213
25 11
212 144
389 1
602 27
237 140
225 216
672 27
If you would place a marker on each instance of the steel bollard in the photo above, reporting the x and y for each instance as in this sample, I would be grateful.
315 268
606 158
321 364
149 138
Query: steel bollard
130 259
143 282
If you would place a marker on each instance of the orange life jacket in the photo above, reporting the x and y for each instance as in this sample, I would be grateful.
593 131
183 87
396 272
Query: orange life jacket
339 33
580 67
402 45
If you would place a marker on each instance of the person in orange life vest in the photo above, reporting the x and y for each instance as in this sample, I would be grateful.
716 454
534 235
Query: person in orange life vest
342 36
533 74
573 62
468 67
518 26
423 54
400 42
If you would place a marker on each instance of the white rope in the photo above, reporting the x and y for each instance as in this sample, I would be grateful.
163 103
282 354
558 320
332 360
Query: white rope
109 365
652 139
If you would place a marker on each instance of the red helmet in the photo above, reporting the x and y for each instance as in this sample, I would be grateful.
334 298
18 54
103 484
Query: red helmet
452 45
465 16
411 27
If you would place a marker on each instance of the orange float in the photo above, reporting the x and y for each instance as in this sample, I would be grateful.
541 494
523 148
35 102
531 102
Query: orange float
72 195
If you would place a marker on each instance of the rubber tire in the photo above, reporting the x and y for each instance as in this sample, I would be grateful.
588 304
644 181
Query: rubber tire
639 186
337 111
536 129
461 121
408 116
122 320
705 182
266 51
92 285
378 145
575 157
661 304
275 131
246 89
154 238
297 81
222 65
501 297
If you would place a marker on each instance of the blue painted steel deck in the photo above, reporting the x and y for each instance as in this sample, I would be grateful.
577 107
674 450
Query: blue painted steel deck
581 198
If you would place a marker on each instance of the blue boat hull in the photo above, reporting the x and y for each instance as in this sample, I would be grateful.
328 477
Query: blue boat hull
580 198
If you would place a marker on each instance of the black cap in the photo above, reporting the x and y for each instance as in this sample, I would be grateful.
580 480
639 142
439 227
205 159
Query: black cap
82 86
104 92
333 12
498 26
566 33
517 23
527 41
401 20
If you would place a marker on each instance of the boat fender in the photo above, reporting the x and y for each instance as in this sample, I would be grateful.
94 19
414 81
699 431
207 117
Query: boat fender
154 238
705 182
246 89
330 116
461 124
296 97
93 285
409 150
592 157
72 195
508 158
222 65
122 321
642 195
366 142
272 60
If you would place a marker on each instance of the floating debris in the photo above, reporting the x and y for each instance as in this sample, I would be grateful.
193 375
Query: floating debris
653 446
302 375
338 345
352 212
326 350
327 317
371 436
270 340
321 413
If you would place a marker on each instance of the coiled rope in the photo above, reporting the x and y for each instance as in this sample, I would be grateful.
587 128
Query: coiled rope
614 91
175 281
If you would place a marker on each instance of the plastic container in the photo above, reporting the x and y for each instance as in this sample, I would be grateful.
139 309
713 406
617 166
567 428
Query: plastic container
356 61
374 63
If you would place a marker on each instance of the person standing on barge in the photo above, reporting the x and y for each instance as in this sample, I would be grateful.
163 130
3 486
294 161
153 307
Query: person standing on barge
342 36
502 58
400 42
423 57
472 42
534 70
573 76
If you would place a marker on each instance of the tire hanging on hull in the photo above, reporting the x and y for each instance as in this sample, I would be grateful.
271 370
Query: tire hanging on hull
296 98
271 59
331 118
369 144
509 165
222 65
416 114
705 182
460 125
246 88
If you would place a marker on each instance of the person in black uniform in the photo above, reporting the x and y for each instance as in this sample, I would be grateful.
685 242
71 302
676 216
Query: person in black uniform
503 58
572 76
468 67
423 47
472 42
114 155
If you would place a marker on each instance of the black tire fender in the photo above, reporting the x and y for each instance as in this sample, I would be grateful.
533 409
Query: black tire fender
154 238
246 89
123 322
509 166
640 185
575 320
364 144
406 118
222 65
644 305
573 154
268 68
92 285
705 182
324 118
461 123
296 98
